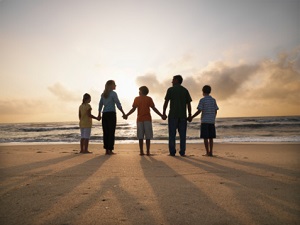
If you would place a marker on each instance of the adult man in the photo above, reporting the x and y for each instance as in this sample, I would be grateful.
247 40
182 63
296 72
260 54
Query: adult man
180 101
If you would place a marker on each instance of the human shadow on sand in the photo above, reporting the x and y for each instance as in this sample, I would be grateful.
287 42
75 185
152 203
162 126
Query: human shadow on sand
260 194
256 165
34 165
180 200
107 202
48 189
21 174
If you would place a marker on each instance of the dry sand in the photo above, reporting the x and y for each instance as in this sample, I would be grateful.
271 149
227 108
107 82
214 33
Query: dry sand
243 184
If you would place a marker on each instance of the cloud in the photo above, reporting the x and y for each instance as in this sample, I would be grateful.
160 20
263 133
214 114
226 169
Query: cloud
37 109
43 108
281 80
63 93
24 110
155 86
270 85
225 80
18 106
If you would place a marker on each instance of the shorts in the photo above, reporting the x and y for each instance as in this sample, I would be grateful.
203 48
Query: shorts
208 130
85 133
144 129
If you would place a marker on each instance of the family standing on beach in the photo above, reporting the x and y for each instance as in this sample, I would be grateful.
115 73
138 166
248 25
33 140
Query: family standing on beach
177 97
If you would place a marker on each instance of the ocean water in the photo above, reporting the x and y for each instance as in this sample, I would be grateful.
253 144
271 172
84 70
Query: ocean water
229 130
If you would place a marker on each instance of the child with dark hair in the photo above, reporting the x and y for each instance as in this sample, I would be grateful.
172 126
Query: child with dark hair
144 121
208 106
85 122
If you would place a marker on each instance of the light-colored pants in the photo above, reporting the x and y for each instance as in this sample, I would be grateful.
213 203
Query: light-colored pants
144 129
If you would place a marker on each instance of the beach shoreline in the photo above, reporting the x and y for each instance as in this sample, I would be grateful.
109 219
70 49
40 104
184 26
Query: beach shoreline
165 142
244 183
229 130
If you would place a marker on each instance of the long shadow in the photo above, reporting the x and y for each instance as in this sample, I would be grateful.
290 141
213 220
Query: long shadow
133 211
180 200
213 166
269 168
259 192
49 190
34 165
22 172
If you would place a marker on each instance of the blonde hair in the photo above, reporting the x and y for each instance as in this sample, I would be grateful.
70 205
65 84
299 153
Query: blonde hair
108 88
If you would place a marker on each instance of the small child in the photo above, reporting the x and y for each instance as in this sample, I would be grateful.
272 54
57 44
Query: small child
144 121
85 123
208 106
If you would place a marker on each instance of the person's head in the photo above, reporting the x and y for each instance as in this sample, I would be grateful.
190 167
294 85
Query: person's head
206 89
109 86
86 98
177 79
144 90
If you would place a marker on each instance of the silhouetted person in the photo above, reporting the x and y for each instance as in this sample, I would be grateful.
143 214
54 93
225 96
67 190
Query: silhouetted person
85 122
109 99
208 106
180 101
144 121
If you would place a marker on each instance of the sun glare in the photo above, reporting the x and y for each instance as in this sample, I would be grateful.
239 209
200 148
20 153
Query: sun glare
126 89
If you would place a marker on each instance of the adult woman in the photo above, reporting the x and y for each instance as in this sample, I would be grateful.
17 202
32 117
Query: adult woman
109 100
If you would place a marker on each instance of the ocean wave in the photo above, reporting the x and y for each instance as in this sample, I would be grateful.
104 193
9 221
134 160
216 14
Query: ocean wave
47 129
250 126
263 129
259 125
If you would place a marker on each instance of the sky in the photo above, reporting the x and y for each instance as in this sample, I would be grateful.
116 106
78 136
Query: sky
54 51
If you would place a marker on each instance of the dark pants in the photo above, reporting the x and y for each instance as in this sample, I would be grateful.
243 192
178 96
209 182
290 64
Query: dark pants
109 121
175 124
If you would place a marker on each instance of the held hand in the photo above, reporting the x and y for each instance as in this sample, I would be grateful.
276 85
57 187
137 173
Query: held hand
190 119
164 117
99 118
125 117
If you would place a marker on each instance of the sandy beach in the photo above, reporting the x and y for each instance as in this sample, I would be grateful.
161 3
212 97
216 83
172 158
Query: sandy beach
242 184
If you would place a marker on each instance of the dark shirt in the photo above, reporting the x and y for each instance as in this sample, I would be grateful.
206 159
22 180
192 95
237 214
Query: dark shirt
179 97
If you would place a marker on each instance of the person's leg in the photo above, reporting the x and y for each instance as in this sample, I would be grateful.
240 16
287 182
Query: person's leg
148 146
206 146
182 126
141 144
86 145
212 135
81 140
111 131
148 134
211 145
205 135
140 136
81 145
86 135
172 126
105 125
